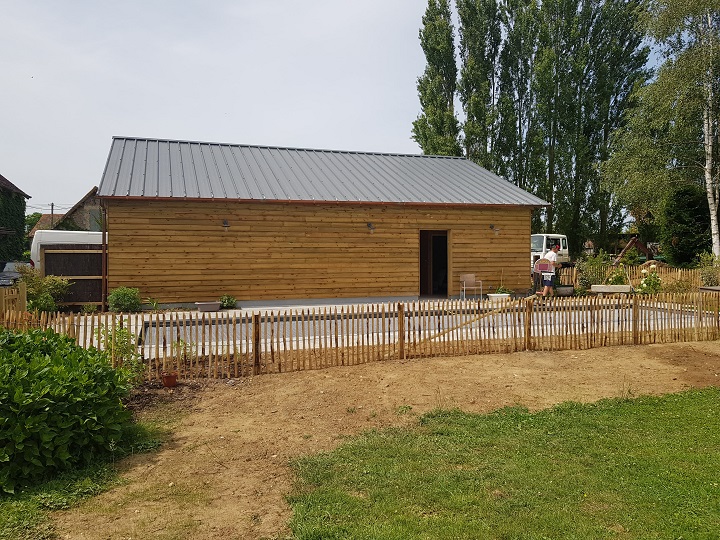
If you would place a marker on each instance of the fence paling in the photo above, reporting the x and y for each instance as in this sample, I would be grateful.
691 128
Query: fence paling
221 346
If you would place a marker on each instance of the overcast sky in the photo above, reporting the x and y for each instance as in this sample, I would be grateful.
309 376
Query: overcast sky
328 74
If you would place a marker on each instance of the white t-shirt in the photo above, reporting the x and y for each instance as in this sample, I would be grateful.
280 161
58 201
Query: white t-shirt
552 257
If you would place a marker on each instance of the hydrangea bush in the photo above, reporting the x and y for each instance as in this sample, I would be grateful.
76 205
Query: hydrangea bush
60 405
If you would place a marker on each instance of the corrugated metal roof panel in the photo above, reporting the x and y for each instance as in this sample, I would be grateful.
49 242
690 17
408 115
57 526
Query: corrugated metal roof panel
154 168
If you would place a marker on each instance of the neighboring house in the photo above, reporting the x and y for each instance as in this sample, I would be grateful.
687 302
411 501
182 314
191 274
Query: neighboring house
12 221
46 222
191 221
86 215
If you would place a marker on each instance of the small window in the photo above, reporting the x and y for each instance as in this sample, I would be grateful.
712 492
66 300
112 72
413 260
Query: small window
564 243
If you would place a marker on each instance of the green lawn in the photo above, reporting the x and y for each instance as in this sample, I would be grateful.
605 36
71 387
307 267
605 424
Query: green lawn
643 468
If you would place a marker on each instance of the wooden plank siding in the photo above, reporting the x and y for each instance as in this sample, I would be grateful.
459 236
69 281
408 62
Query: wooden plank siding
179 251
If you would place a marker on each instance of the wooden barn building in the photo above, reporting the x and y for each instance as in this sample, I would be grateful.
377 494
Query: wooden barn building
192 221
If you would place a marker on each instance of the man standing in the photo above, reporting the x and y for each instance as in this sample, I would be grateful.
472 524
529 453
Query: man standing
547 277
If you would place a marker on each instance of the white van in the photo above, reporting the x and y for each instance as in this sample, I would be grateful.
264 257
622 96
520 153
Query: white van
540 244
46 238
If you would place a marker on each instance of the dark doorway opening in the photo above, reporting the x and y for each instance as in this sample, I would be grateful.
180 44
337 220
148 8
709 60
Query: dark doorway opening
433 263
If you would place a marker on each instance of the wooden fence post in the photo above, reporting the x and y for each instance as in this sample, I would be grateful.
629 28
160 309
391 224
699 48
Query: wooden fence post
528 323
256 343
401 331
635 322
22 296
71 328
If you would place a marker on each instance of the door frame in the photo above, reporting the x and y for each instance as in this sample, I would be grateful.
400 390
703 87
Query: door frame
430 263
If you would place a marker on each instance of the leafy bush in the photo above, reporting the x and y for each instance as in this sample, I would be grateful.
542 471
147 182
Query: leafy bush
60 405
592 269
709 267
43 293
631 257
89 308
581 291
617 276
119 343
227 301
42 302
678 287
124 299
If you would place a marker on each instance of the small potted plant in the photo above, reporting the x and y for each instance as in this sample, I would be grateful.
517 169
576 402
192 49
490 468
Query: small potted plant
500 294
227 302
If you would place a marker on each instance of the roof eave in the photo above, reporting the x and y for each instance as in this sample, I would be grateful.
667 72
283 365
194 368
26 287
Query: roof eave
124 198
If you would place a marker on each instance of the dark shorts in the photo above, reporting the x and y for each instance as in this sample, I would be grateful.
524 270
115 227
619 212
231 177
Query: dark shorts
547 282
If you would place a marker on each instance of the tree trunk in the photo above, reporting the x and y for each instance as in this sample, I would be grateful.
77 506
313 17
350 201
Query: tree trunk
708 170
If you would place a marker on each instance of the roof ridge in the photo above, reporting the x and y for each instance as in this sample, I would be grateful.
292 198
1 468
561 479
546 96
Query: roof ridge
276 147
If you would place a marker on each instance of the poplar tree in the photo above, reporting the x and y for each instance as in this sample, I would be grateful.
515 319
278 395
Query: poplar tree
543 84
519 139
480 39
436 129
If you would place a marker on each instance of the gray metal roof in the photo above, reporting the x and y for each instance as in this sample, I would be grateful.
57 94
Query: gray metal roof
162 169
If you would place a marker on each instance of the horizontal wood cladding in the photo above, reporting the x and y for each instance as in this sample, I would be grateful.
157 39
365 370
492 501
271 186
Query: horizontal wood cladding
176 251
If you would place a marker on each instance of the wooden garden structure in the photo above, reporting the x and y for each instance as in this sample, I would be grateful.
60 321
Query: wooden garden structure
191 221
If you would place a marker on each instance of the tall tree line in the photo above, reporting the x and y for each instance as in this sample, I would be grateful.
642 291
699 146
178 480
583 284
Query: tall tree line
541 86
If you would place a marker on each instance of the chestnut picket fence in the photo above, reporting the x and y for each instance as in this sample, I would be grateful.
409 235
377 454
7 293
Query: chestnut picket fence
233 344
691 277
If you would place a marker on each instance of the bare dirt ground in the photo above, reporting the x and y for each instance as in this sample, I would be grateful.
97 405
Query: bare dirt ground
224 473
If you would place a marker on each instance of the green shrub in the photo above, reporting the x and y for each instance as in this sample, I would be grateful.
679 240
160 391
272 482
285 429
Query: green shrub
709 267
119 343
124 299
581 291
631 257
227 301
43 293
89 308
60 406
678 287
592 269
42 302
617 277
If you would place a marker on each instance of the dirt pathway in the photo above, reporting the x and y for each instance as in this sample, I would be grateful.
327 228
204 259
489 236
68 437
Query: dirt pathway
225 473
